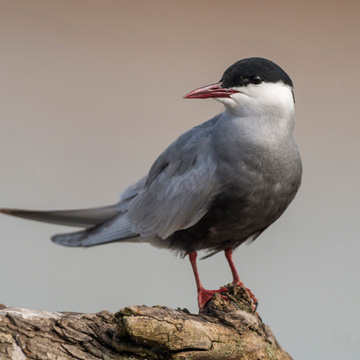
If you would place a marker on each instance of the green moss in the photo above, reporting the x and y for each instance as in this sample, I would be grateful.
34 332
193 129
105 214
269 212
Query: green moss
230 349
270 351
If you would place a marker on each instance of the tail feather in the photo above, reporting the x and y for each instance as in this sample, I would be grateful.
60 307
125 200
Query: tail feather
80 218
118 228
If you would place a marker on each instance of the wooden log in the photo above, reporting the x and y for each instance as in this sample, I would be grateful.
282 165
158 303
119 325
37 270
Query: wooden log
227 329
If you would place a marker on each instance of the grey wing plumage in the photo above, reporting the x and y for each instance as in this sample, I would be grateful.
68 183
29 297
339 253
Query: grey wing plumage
179 187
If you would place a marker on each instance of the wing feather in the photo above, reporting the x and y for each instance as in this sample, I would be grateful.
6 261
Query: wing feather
179 187
78 218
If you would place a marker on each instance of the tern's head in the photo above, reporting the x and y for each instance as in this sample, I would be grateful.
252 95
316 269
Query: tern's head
251 85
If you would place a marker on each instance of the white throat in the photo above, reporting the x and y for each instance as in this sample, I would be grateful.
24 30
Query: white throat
266 99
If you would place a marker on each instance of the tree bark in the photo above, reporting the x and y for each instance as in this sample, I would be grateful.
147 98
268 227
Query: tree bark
227 329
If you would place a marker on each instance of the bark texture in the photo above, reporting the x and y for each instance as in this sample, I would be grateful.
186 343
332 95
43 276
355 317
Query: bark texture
227 329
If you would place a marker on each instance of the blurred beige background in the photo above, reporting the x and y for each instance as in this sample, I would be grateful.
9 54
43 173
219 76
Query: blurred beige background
91 93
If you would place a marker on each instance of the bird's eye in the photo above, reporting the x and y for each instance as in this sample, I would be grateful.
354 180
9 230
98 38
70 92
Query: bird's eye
256 80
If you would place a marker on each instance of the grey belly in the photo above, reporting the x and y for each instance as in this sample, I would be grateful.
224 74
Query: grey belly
233 217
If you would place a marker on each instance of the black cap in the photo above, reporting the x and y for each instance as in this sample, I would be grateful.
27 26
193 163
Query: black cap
254 70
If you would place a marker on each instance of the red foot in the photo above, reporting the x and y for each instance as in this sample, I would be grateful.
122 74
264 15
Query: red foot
251 294
206 295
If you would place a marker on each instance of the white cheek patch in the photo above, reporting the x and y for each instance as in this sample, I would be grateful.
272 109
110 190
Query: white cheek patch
250 99
271 93
265 94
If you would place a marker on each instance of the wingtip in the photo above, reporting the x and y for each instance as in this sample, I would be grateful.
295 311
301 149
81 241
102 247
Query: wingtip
7 211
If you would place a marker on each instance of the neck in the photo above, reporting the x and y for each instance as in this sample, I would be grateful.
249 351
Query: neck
271 116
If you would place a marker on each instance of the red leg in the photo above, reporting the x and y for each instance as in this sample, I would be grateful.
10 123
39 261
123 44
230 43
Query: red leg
236 277
192 257
203 295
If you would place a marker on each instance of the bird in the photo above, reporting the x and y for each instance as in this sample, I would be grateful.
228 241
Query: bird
217 186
